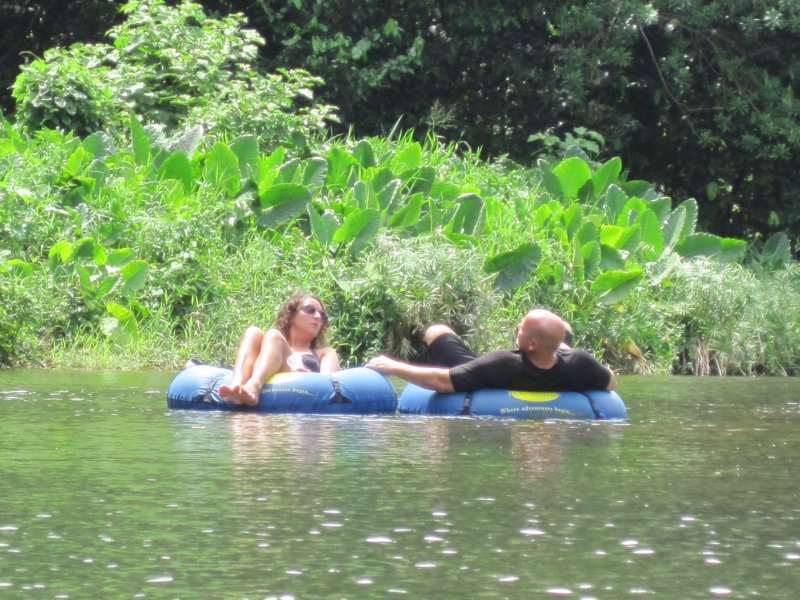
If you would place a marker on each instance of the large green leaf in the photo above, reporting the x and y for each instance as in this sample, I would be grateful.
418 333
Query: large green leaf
365 154
661 207
134 275
674 228
615 200
419 180
18 267
731 250
572 174
699 244
690 223
273 160
245 148
121 317
290 171
315 170
189 140
407 158
591 255
606 175
358 229
83 248
610 258
573 218
141 142
221 169
322 226
652 244
446 191
340 167
363 195
637 187
630 238
76 162
178 167
588 232
613 286
408 215
515 267
630 212
119 256
387 195
777 249
610 235
551 183
468 215
281 203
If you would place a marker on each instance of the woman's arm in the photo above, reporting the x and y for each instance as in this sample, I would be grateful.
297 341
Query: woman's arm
328 360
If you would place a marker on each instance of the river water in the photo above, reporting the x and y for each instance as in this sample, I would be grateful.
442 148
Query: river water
107 494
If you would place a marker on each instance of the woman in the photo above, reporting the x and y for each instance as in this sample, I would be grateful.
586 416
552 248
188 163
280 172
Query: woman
292 345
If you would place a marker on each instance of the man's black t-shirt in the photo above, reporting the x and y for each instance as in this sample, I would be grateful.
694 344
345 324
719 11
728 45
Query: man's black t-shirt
574 370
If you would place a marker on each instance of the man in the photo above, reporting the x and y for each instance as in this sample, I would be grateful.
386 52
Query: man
541 362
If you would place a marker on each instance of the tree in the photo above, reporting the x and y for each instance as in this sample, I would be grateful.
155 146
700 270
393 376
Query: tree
698 95
32 26
695 94
173 67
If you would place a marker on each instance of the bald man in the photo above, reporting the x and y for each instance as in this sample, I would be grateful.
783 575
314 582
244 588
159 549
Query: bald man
542 361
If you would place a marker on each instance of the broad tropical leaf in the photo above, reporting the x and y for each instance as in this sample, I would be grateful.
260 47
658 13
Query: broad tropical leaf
572 174
177 166
468 215
408 215
281 203
322 226
606 175
245 148
221 169
699 244
613 286
358 229
141 142
134 275
515 267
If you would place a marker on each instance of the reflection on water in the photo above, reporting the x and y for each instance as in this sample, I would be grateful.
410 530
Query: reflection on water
106 493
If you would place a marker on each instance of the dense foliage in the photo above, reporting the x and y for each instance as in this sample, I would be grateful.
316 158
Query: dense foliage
173 67
141 244
698 96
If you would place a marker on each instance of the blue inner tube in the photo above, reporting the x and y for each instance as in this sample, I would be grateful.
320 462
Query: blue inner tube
596 404
350 391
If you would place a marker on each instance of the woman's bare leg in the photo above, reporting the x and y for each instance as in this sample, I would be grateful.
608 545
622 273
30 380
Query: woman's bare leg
246 356
271 359
261 355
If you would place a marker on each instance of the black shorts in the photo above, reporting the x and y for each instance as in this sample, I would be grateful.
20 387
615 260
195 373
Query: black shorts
449 350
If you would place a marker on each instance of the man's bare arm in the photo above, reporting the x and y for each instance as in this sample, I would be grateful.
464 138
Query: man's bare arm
612 382
432 378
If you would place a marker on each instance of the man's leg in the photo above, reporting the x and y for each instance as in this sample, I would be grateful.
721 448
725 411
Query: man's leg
445 347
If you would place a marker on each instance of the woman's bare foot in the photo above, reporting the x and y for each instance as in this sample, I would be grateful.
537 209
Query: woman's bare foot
249 393
229 392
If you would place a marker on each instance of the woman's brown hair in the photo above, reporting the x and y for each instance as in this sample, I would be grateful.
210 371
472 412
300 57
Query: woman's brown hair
284 321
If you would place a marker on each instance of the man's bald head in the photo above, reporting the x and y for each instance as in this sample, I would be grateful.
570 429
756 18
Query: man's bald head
544 327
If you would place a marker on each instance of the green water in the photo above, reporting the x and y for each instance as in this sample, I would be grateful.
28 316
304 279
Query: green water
107 494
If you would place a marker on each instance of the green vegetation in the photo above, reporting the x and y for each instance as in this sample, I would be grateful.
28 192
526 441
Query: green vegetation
202 202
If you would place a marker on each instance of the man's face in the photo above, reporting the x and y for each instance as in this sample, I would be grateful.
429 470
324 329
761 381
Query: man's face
523 337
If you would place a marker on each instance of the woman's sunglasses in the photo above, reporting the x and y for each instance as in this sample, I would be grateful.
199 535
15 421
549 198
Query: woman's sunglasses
312 310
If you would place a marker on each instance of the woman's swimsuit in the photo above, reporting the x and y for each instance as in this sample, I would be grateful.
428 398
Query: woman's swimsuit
299 361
